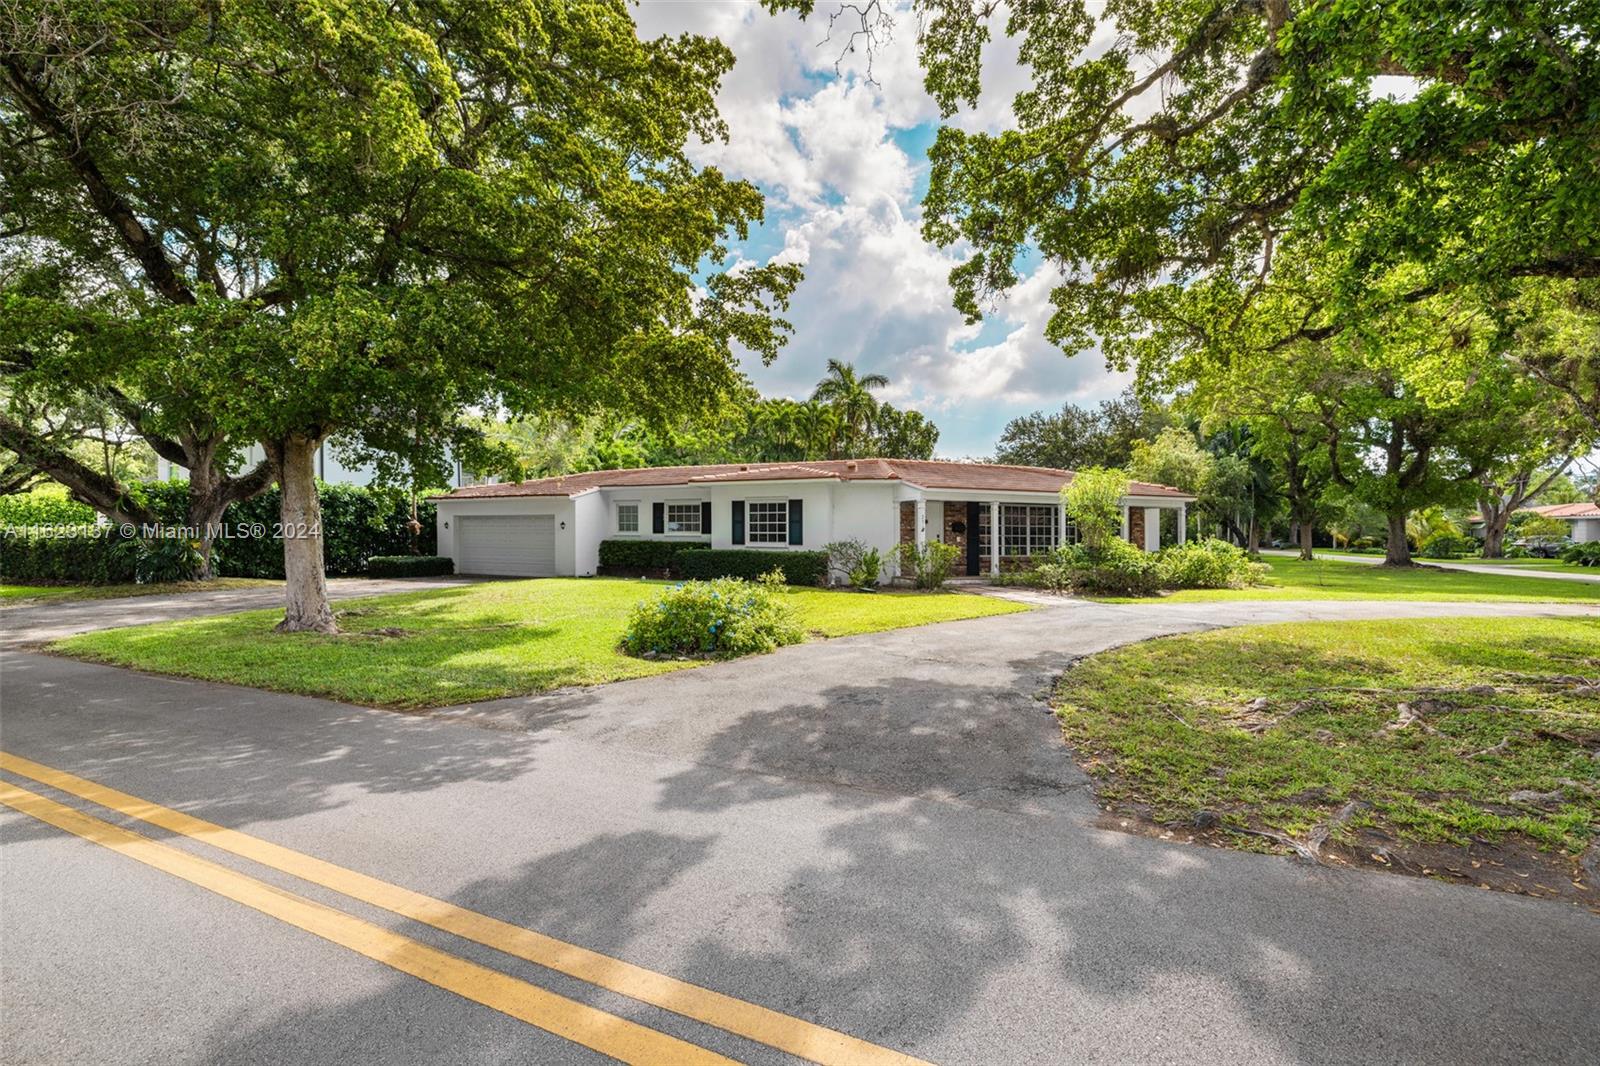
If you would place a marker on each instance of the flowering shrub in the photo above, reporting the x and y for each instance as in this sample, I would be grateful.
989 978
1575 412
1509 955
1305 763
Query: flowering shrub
722 618
1207 564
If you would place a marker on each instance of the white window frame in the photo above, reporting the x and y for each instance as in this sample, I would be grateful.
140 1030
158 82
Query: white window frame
1033 542
637 518
695 505
768 539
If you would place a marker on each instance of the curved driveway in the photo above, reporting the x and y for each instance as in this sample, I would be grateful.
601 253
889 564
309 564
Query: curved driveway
882 834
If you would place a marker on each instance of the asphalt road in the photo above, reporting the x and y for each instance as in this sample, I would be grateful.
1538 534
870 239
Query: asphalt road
881 835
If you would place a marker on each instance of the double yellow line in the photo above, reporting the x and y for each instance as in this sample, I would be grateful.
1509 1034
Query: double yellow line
582 1024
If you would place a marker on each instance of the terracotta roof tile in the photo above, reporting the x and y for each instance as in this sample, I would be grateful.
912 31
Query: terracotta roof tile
1567 510
927 473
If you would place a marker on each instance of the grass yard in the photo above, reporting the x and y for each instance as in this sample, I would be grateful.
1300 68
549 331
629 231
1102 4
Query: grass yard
1433 723
32 595
1554 565
1331 579
476 642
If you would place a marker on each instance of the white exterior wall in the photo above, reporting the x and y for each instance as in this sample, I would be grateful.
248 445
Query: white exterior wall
329 468
589 513
1585 529
562 508
868 512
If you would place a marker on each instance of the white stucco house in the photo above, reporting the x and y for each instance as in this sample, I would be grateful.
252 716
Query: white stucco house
554 526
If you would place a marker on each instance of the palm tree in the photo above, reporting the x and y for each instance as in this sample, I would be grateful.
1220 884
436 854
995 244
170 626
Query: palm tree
818 426
850 395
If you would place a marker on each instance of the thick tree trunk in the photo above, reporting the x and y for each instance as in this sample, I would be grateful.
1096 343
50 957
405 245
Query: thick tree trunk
1399 550
1494 533
1254 546
305 589
1306 533
205 519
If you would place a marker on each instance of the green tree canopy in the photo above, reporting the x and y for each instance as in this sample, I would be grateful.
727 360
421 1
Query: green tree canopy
1078 437
364 217
1170 171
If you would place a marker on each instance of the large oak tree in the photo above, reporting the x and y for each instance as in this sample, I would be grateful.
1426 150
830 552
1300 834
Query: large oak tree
285 220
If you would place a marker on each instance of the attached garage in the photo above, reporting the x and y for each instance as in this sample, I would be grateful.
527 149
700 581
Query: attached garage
513 545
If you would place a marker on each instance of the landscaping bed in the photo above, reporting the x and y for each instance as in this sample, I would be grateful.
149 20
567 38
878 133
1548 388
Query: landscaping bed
1464 749
474 642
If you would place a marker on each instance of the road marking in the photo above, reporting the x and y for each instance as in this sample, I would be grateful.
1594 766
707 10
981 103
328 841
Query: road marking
605 1033
761 1024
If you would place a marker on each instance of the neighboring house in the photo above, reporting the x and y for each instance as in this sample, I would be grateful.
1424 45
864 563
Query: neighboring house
554 526
329 469
1583 519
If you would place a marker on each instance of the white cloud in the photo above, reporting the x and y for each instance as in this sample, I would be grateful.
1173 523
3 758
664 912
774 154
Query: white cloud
822 145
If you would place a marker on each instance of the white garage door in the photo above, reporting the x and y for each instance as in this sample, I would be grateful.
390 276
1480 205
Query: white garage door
506 545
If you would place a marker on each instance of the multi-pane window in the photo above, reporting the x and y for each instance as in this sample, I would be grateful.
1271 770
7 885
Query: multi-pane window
683 517
1028 529
767 522
627 518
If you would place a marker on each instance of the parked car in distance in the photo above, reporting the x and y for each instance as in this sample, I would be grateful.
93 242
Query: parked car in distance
1544 547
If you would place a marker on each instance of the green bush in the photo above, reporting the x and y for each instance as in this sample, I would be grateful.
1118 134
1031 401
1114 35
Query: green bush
645 556
1117 568
1517 551
930 566
1447 545
859 565
865 574
1587 554
722 618
410 566
79 554
1207 564
157 559
797 567
44 506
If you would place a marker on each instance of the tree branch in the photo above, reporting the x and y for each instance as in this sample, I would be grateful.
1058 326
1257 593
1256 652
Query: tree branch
138 240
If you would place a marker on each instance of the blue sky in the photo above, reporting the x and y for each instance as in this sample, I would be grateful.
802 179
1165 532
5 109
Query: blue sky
842 163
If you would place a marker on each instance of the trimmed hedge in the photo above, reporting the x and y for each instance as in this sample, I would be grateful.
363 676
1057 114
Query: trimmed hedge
92 555
646 556
799 567
45 506
410 566
357 524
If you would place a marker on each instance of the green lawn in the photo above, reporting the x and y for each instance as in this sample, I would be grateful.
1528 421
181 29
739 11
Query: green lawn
29 595
477 642
1555 565
1331 579
1279 726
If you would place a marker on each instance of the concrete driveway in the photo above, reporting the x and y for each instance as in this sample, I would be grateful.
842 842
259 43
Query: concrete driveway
880 834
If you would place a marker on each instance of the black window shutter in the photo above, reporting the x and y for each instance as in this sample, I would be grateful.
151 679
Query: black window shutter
705 518
738 521
796 522
658 517
973 548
